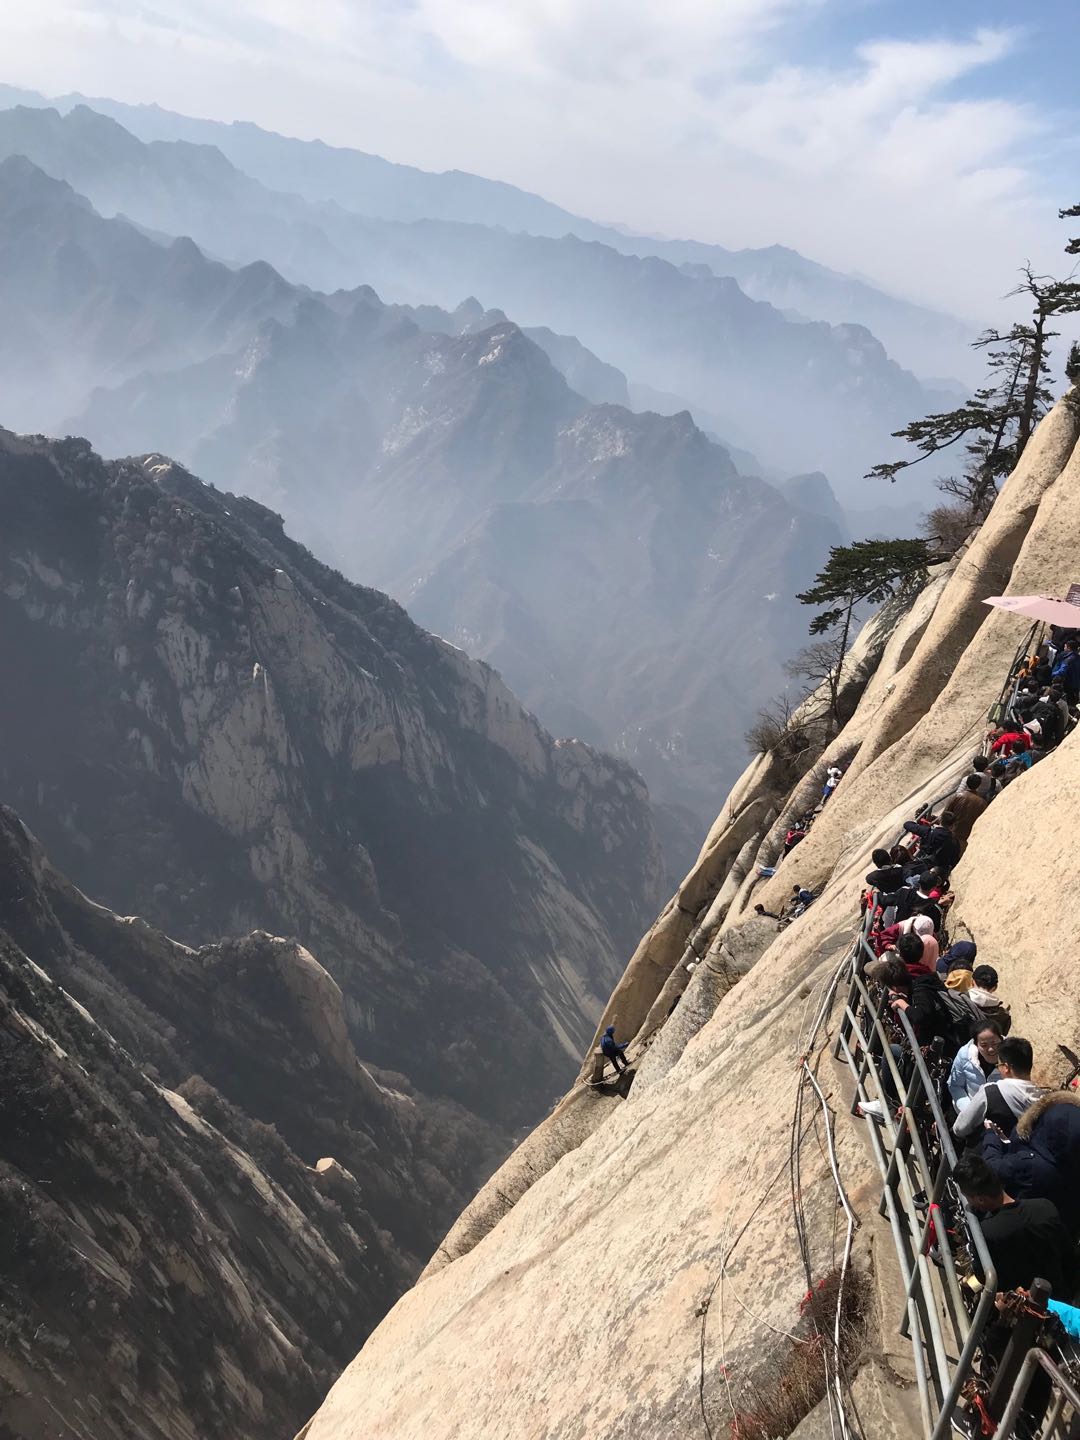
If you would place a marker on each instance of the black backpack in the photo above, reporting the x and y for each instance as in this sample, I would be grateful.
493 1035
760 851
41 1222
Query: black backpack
960 1016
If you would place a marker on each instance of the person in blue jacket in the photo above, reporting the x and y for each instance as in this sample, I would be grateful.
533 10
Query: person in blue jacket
613 1051
1066 671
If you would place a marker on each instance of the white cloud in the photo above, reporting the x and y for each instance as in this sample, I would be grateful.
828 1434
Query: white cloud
682 117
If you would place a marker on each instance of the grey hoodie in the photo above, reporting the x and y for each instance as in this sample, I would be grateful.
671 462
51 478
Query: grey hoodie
1017 1094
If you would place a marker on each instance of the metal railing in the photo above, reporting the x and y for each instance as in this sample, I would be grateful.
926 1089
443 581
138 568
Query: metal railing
949 1279
939 1245
1060 1408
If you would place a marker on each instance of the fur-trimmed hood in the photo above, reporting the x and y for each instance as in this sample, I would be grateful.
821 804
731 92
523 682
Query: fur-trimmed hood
1034 1113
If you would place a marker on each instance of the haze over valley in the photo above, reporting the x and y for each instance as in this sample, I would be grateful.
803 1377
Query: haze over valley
456 531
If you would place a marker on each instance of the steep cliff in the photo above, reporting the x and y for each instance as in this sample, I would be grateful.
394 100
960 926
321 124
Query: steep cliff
661 1245
197 1179
208 727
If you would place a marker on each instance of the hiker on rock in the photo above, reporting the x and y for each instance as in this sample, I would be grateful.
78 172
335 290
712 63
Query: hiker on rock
833 777
613 1051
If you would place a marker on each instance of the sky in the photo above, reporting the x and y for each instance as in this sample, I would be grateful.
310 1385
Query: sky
924 146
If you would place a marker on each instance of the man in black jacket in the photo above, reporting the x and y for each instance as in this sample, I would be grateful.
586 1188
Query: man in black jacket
1025 1238
886 876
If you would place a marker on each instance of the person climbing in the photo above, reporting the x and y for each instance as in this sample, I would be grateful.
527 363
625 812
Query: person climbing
975 1063
983 992
885 876
833 776
938 845
980 766
613 1051
1041 1156
1001 1102
1025 1237
966 808
1008 740
960 955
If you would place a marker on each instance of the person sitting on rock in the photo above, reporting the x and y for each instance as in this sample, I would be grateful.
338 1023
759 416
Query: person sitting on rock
1001 1102
975 1063
984 994
1025 1237
613 1051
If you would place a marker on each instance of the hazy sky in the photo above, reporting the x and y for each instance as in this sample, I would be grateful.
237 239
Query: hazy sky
925 145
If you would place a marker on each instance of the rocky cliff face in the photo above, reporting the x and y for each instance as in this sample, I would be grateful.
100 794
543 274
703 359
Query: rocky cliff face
208 727
198 1177
651 1265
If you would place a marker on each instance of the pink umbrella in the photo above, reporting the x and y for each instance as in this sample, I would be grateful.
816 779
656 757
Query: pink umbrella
1039 607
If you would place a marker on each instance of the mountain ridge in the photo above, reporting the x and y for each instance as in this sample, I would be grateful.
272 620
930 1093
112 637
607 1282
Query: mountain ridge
387 442
923 338
677 329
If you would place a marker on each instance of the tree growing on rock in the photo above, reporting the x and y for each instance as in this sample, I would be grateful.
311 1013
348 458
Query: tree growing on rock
865 572
997 422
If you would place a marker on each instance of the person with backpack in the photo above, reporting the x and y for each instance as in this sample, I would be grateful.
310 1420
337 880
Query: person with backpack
983 992
925 1001
1001 1102
975 1063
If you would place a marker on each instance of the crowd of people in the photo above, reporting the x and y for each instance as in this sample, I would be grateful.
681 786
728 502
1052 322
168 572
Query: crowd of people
1018 1144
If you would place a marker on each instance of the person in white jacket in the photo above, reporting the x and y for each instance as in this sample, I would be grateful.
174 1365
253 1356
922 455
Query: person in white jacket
1002 1102
975 1063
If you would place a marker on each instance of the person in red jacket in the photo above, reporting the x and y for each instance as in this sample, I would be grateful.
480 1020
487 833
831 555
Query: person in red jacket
1009 740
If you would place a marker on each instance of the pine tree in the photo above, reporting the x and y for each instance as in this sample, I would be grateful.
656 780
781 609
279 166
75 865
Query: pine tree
997 422
1073 247
865 572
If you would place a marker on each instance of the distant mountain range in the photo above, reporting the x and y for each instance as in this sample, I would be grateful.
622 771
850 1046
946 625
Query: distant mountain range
584 551
210 728
926 340
678 329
